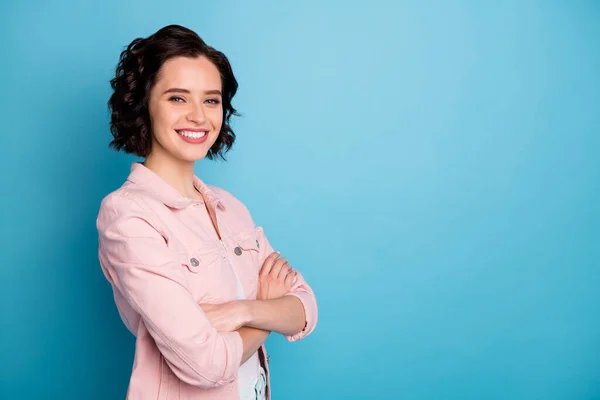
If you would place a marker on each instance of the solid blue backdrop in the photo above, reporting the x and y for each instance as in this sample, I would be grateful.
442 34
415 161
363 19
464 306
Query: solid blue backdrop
431 167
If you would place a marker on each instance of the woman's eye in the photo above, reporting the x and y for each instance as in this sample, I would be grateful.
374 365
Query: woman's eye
176 99
213 101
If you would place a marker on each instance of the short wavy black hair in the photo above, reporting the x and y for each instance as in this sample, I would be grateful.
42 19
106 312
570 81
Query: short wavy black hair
135 76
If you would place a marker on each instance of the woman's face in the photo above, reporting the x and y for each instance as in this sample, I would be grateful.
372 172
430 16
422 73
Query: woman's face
186 110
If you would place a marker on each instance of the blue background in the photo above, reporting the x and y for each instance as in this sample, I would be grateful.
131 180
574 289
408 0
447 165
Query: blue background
431 167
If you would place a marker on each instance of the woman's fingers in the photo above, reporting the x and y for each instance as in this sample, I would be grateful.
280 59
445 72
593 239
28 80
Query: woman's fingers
290 279
274 273
268 264
284 271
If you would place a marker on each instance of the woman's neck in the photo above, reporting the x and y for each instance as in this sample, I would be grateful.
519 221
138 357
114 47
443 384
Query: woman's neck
179 174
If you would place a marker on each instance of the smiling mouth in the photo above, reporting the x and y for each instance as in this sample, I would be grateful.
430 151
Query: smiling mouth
192 134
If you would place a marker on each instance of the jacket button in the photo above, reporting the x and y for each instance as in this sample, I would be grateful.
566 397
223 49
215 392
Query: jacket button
238 251
194 262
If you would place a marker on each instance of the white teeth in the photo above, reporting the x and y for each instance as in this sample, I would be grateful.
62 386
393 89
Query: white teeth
192 135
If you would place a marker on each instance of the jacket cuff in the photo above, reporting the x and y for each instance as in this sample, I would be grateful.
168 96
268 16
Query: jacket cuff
310 313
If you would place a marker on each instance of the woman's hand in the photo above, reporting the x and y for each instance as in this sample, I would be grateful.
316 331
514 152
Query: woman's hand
275 279
226 317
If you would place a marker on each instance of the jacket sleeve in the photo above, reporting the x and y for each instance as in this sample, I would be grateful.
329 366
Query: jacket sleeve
150 277
300 289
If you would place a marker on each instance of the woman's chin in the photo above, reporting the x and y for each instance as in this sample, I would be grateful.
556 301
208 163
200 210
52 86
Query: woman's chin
193 156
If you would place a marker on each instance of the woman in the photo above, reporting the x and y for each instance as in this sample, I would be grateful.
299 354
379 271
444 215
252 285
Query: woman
193 278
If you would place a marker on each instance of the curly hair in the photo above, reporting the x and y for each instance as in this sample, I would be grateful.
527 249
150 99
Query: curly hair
135 76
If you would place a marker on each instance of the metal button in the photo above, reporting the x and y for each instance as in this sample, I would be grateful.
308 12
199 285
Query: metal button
257 244
194 262
238 251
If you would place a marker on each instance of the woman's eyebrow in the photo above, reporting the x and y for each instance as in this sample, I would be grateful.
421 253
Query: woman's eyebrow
180 90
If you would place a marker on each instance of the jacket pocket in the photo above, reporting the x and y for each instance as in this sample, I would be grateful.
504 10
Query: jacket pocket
248 241
205 278
199 260
246 256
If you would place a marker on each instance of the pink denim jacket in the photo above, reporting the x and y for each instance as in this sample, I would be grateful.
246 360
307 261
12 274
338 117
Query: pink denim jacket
162 256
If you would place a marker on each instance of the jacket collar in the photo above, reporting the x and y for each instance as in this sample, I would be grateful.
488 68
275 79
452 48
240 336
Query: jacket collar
149 181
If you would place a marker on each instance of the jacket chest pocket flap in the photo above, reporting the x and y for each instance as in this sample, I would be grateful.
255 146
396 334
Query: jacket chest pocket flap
248 242
199 260
205 277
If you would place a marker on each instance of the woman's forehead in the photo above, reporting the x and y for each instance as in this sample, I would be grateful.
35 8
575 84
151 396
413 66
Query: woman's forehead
192 74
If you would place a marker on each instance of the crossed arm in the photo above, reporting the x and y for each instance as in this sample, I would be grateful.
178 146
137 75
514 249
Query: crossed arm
273 311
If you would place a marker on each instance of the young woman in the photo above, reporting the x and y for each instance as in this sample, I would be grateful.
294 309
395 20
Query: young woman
193 278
